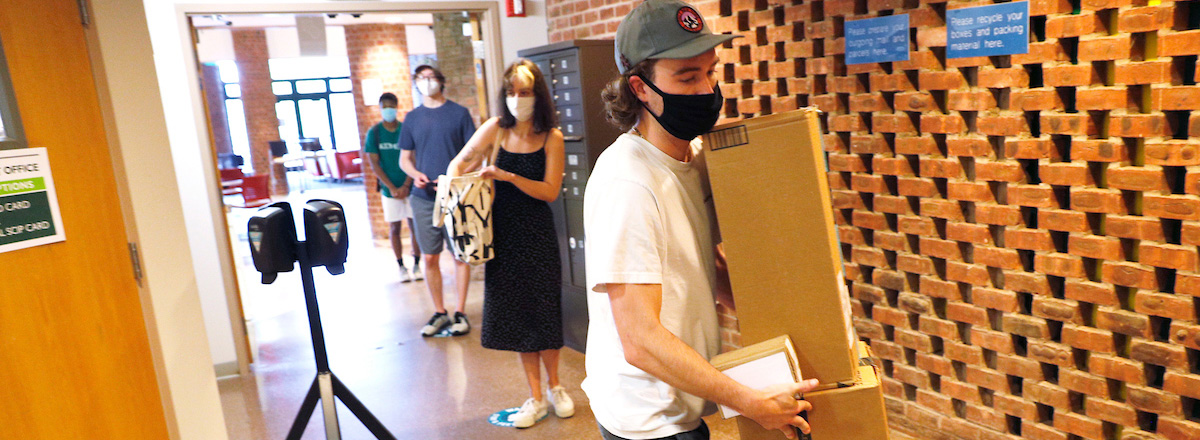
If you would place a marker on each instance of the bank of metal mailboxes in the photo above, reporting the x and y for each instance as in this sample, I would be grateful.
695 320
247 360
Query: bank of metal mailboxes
576 72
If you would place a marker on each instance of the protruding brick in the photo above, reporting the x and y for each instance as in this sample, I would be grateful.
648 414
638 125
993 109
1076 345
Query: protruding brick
1091 292
945 80
1169 256
1088 338
1030 149
1096 246
1068 123
1098 150
992 214
1063 220
1129 274
1152 400
1145 19
1159 353
1179 43
1063 26
1065 173
1143 178
1152 125
1143 72
1030 239
1003 171
997 257
1174 206
1059 265
1071 75
942 123
1172 153
1097 200
1113 47
1003 78
1123 322
1035 99
1103 98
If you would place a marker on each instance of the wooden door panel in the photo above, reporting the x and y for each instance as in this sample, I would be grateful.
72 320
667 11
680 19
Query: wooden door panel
73 341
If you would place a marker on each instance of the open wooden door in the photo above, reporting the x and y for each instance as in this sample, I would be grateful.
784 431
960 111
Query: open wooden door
74 352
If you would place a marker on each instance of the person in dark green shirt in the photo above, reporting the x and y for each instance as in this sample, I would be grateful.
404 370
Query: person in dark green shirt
383 155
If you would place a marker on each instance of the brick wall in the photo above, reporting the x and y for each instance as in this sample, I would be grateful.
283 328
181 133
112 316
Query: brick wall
378 51
262 124
456 60
214 98
1019 232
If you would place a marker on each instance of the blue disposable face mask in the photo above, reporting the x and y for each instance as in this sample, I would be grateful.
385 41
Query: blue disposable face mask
389 114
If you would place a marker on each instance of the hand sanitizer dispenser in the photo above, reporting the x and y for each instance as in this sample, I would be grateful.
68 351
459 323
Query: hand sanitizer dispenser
272 233
325 235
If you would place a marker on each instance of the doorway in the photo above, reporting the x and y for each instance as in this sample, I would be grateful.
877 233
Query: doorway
324 101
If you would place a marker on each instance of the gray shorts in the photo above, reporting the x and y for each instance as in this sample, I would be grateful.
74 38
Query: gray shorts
429 237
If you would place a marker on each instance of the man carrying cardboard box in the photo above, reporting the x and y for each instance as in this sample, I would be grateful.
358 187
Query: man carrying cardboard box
651 236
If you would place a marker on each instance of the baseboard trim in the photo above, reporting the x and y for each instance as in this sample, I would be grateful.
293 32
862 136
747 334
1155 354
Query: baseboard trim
226 369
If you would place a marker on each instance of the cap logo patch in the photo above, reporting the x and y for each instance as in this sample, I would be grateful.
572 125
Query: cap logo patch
689 19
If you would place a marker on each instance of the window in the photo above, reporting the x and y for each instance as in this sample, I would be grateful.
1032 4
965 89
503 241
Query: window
314 100
235 113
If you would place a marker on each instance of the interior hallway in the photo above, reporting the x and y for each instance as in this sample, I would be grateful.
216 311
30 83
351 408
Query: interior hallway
419 388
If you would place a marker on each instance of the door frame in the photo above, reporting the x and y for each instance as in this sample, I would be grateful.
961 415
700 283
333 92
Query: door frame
489 13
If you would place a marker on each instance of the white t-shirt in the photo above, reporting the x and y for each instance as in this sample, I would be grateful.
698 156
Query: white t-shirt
646 221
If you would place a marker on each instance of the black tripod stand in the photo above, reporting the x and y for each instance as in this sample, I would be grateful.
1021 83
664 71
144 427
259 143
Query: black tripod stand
326 385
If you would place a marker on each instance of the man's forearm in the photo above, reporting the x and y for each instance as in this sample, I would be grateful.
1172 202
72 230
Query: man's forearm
665 356
654 349
408 163
373 162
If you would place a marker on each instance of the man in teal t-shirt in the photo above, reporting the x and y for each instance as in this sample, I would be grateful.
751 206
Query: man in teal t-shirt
383 155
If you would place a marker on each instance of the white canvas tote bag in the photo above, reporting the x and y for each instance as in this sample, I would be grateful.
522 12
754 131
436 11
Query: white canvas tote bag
464 207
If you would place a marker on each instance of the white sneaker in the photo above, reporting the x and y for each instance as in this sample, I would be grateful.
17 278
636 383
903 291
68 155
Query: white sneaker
404 276
438 322
563 405
418 274
460 326
531 412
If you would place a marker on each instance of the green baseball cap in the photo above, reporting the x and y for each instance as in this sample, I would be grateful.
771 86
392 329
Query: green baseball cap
663 29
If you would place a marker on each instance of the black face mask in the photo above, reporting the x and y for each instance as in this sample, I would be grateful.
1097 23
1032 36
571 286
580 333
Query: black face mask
687 116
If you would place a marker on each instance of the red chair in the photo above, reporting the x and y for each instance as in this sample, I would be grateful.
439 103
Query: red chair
256 191
231 181
349 165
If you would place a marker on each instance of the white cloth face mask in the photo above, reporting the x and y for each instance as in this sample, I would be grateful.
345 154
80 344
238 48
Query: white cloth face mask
428 87
521 107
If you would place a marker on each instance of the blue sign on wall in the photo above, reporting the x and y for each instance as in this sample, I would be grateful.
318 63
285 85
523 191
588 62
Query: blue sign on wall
877 40
1001 29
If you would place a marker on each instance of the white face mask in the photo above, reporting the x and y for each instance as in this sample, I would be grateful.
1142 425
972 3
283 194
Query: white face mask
428 87
521 107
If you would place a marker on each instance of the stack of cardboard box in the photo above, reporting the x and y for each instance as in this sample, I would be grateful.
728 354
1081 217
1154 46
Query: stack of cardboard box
768 177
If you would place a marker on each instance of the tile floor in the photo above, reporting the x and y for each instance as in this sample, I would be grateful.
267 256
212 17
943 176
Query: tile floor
435 388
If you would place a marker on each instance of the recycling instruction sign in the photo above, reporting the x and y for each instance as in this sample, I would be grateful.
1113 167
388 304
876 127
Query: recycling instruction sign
29 213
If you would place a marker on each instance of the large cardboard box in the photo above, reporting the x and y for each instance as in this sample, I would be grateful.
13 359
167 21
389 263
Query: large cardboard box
776 219
855 412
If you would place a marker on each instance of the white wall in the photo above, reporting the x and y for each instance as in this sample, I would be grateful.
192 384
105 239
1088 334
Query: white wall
519 33
285 42
136 128
192 158
420 40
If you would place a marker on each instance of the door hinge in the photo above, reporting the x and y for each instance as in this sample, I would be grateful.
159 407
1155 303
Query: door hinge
83 13
136 258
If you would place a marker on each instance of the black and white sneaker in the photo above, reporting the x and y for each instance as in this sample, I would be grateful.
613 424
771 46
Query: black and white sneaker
438 322
461 326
